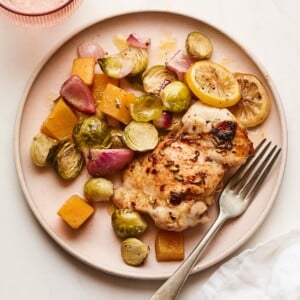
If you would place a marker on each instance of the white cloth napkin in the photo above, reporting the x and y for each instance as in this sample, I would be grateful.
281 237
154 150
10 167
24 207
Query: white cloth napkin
271 271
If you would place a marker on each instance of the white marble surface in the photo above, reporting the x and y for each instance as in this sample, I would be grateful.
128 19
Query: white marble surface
32 266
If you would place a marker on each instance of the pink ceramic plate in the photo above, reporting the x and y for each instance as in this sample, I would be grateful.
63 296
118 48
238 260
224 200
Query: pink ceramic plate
95 243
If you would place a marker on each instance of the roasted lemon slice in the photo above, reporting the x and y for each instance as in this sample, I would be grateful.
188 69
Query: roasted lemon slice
213 84
254 105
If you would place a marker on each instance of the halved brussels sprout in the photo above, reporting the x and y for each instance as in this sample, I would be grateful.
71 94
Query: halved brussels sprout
176 97
130 61
115 66
39 149
198 45
135 81
66 160
117 139
134 251
92 132
140 136
139 57
128 223
156 77
146 108
98 189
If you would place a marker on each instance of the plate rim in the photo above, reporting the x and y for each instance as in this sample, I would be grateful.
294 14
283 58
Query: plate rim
16 140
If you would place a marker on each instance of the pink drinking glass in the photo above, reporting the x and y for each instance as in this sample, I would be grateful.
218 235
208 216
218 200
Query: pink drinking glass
38 13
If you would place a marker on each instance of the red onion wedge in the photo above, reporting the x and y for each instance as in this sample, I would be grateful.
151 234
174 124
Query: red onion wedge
164 121
138 41
77 94
90 49
103 162
179 63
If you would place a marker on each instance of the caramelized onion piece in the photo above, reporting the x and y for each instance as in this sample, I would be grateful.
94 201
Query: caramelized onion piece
138 41
77 94
179 63
164 121
103 162
90 49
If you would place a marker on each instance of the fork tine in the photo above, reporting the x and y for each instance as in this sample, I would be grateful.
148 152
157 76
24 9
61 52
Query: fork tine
239 178
251 178
241 185
261 173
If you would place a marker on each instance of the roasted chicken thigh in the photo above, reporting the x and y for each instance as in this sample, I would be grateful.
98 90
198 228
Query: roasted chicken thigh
177 182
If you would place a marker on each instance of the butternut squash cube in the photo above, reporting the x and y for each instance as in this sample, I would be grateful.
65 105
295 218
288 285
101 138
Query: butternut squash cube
169 246
99 84
75 211
115 102
84 67
60 122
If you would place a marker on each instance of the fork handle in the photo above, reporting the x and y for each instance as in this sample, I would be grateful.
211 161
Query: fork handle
171 288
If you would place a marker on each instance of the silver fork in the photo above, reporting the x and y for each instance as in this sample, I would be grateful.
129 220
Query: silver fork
235 198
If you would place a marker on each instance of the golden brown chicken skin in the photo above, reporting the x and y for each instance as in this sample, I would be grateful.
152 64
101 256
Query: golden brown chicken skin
177 182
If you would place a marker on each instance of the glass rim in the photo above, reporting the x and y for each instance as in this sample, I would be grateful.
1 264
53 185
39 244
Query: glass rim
38 14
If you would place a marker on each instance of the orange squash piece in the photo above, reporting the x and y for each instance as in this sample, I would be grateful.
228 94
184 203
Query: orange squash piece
169 246
115 102
99 84
84 67
75 211
60 122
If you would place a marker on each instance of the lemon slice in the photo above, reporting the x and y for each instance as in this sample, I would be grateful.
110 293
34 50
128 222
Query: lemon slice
213 84
254 105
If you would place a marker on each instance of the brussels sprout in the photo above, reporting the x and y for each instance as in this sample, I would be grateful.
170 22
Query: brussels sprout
198 46
92 132
117 139
146 108
134 252
129 62
139 57
176 97
39 149
156 77
128 223
98 189
115 66
135 81
140 136
66 160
